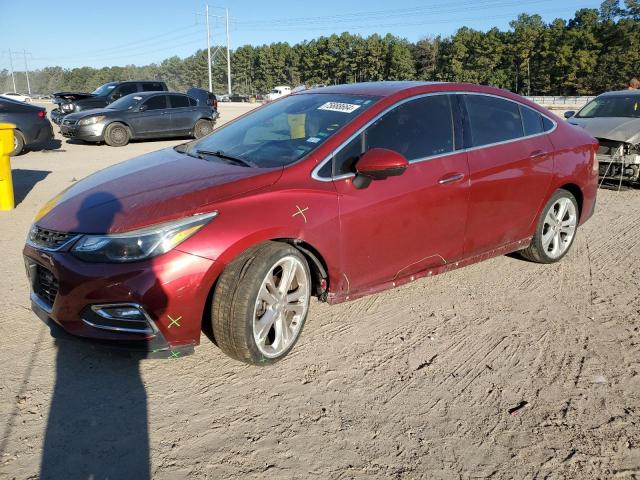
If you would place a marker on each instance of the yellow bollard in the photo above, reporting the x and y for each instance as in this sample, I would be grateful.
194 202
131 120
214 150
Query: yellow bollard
6 180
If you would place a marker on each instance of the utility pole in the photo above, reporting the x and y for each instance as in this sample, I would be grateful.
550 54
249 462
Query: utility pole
26 70
528 78
13 77
208 47
228 57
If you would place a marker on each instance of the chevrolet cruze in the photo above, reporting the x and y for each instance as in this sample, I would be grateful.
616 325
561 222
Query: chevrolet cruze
334 193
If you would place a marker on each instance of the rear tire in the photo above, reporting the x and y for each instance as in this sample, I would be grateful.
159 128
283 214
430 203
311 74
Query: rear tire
556 229
116 135
260 303
202 128
18 143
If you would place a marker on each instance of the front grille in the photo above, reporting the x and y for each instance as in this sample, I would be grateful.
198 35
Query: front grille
45 285
50 239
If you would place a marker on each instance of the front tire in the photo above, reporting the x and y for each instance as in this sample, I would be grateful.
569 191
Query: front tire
556 229
116 135
261 302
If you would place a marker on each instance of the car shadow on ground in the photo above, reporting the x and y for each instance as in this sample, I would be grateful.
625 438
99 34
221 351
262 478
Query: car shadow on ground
51 145
73 141
97 427
24 181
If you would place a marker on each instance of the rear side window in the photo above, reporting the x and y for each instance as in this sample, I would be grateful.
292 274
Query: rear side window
179 101
547 124
158 102
152 87
492 119
531 121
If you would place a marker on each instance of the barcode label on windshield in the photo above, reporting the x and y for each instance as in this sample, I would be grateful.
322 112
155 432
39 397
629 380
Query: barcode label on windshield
339 107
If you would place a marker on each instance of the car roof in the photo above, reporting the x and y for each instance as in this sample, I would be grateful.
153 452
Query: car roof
620 93
155 92
380 89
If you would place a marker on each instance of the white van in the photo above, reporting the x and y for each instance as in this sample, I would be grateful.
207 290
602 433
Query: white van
277 92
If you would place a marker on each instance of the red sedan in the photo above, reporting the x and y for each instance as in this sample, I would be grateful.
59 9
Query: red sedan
335 193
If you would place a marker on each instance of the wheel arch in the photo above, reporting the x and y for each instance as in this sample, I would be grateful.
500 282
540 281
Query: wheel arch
576 191
317 265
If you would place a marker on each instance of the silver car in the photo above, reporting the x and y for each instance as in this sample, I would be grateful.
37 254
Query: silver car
142 115
614 119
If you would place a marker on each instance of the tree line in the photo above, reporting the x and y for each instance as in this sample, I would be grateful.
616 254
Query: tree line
595 51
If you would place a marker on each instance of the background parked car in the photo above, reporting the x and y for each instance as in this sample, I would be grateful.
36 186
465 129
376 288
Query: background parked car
71 102
20 97
143 115
32 126
278 92
614 119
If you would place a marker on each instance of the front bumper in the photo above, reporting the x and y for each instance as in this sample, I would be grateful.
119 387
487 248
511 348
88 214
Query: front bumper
90 133
172 289
57 115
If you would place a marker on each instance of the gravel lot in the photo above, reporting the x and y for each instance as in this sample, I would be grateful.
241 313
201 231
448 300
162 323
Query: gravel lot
505 369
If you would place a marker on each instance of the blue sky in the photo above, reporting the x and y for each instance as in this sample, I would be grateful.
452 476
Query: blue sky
75 33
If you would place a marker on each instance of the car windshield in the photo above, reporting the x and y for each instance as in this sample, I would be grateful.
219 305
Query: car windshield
126 103
282 132
627 106
103 90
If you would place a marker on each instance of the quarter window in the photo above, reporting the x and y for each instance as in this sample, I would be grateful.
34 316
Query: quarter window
531 121
492 119
417 129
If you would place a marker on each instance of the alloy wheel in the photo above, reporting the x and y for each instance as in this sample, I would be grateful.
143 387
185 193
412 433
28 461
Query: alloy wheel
281 306
559 227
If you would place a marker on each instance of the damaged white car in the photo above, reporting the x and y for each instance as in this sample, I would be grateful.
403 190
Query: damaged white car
614 119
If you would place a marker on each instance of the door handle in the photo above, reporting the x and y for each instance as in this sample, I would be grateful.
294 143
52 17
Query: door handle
454 177
538 154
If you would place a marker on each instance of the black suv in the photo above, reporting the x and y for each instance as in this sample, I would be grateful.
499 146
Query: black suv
71 102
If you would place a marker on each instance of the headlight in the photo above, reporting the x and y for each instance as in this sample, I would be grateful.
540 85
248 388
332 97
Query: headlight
139 244
67 107
91 120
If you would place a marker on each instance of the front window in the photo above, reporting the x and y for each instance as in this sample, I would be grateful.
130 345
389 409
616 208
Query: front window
626 106
104 90
125 103
281 133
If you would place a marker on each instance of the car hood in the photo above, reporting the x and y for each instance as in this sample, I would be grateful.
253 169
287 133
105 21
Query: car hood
154 188
611 128
72 95
89 113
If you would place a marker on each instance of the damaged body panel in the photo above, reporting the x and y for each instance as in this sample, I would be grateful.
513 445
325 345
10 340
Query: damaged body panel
614 120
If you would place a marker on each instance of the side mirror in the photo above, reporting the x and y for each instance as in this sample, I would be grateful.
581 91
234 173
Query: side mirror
569 114
142 108
378 164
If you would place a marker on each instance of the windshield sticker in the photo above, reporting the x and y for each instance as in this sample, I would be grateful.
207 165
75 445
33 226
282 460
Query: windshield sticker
339 107
313 139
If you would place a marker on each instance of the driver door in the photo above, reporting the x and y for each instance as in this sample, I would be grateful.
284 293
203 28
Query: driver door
409 223
154 120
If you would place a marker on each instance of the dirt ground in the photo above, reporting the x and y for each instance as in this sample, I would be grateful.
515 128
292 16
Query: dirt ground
505 369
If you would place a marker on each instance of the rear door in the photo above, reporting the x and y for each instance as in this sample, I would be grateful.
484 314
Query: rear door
406 224
183 113
511 165
155 120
